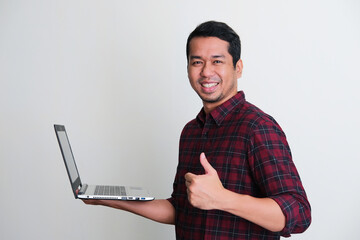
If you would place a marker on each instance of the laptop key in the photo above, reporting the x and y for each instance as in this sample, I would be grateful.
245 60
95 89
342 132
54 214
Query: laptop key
110 190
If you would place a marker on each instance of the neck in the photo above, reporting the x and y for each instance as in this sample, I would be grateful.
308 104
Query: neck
210 106
208 109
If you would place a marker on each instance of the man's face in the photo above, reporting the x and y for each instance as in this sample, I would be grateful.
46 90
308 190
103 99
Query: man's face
211 71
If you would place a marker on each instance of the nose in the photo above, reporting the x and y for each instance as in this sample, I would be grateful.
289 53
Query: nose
207 70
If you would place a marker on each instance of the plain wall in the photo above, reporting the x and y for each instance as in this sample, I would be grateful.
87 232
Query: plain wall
114 72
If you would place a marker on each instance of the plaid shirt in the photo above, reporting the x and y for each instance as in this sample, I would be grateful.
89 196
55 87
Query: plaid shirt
251 155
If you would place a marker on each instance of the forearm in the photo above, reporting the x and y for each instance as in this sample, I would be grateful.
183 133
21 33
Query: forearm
157 210
264 212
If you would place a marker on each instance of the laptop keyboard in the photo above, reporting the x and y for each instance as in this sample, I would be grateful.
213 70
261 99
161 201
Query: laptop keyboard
110 190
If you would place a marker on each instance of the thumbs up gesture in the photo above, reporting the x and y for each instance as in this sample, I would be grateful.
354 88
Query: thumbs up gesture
205 190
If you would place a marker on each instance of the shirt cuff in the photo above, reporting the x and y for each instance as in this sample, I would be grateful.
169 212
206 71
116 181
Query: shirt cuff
297 214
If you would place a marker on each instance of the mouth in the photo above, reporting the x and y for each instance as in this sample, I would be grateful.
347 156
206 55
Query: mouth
209 87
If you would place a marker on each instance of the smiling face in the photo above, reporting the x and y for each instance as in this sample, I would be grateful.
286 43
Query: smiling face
211 71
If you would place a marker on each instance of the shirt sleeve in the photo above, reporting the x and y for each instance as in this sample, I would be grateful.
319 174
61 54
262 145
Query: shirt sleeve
277 177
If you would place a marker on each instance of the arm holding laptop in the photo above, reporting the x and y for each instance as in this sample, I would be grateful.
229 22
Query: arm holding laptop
159 210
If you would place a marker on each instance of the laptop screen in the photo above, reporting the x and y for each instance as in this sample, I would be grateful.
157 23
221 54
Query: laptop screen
68 157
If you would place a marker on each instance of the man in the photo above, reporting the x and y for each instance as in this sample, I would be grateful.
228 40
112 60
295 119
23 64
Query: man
235 177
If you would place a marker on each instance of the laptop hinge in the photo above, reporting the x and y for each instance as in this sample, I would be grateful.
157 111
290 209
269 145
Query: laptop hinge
83 189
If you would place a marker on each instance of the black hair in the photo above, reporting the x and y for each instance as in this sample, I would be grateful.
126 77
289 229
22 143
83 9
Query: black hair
221 31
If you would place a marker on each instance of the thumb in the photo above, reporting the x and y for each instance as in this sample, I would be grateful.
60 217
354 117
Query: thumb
206 165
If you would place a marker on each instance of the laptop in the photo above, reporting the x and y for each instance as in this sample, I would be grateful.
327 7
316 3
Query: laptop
86 191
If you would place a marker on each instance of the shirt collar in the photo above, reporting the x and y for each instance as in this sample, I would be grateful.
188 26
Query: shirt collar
220 112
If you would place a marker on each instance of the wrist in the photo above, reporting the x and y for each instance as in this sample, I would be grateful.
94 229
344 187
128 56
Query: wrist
223 200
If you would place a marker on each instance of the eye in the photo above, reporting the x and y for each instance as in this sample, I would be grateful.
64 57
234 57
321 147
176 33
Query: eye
196 63
217 61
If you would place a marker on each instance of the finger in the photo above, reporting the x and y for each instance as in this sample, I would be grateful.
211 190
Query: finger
91 201
187 183
189 176
206 165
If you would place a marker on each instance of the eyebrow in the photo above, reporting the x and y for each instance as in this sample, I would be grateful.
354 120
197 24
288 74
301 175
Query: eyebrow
213 56
195 57
218 56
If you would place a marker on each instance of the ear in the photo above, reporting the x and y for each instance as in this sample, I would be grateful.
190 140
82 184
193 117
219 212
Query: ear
239 68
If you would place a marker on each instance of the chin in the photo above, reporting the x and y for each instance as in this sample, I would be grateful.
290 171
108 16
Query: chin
208 99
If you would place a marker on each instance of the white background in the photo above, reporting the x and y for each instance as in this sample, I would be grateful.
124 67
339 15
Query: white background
114 72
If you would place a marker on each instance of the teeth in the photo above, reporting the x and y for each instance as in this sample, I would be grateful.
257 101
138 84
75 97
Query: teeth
208 85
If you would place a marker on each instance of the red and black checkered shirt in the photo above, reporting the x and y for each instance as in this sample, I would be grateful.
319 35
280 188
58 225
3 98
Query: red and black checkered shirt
251 155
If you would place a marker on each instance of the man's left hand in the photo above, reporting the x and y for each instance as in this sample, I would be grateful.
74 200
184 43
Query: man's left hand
204 190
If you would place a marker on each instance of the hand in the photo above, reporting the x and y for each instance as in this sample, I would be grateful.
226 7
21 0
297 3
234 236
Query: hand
204 190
